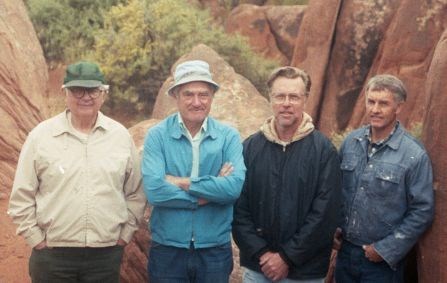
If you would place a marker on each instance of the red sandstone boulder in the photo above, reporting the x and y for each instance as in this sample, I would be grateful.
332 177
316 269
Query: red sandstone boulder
251 21
237 102
271 30
285 22
433 246
313 47
341 46
23 95
23 85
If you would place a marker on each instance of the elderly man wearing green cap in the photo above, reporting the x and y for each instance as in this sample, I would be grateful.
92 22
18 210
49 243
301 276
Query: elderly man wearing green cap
77 195
193 171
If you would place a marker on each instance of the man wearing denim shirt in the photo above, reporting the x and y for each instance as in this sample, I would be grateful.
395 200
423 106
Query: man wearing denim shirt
193 171
387 190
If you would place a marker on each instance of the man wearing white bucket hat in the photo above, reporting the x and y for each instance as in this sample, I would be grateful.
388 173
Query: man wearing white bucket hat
193 171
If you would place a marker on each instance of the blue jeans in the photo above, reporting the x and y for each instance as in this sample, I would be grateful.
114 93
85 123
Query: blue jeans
250 276
352 266
76 265
178 265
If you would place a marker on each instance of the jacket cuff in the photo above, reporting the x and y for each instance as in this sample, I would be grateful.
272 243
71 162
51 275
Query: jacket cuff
127 233
284 257
35 237
392 264
258 254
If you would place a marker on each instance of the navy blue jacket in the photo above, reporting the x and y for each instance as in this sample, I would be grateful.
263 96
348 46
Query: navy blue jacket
290 203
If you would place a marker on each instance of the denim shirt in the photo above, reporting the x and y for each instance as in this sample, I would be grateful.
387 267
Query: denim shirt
388 198
176 218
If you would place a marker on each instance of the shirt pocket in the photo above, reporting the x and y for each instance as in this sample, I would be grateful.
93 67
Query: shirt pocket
347 166
387 180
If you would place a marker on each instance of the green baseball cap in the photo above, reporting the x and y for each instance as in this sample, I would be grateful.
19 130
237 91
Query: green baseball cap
83 74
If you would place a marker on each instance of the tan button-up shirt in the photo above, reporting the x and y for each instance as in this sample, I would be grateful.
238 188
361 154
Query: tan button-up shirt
77 191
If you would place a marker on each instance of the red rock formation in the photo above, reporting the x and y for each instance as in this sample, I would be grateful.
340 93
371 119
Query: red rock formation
433 246
285 22
237 102
134 263
342 43
23 90
251 21
271 30
313 46
23 94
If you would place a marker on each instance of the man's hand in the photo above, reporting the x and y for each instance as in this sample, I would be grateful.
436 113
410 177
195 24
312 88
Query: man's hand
226 169
371 253
40 246
273 266
181 182
338 239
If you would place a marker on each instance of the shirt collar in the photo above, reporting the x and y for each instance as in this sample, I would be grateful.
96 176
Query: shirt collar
203 128
392 140
62 124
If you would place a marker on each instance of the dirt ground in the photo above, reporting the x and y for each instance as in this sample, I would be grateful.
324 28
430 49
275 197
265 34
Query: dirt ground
14 252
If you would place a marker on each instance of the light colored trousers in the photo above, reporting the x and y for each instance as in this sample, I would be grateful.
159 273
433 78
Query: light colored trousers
250 276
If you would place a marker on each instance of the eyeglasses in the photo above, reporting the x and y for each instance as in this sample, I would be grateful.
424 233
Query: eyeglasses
293 98
79 92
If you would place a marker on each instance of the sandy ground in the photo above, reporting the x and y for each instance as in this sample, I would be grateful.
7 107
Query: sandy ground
14 252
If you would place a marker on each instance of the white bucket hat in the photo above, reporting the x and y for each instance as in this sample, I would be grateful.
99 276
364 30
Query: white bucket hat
192 71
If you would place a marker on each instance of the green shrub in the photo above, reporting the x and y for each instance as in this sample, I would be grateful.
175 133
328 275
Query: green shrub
66 28
141 40
136 42
338 138
415 130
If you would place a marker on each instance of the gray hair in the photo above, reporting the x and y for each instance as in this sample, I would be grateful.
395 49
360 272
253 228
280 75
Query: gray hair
389 83
290 73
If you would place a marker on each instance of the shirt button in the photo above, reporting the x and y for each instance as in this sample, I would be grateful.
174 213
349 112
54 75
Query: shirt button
362 188
371 166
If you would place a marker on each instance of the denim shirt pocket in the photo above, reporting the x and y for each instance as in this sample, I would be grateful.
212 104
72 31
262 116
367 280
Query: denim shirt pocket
387 179
347 166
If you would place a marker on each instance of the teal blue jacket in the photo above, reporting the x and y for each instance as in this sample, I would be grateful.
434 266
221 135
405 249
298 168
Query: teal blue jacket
176 217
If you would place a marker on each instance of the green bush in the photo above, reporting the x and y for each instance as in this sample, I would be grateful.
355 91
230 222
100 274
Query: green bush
66 28
136 42
141 40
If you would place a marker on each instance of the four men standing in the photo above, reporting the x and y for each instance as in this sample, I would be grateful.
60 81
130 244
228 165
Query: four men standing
77 195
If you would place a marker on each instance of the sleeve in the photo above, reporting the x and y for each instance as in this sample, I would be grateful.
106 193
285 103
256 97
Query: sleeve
317 232
223 190
22 203
158 191
420 212
243 227
133 193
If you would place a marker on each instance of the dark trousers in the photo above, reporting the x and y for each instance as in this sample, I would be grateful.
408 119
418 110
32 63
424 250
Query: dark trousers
76 265
353 267
179 265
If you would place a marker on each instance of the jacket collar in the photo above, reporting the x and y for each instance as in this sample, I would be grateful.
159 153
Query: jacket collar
177 131
304 129
393 142
63 125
